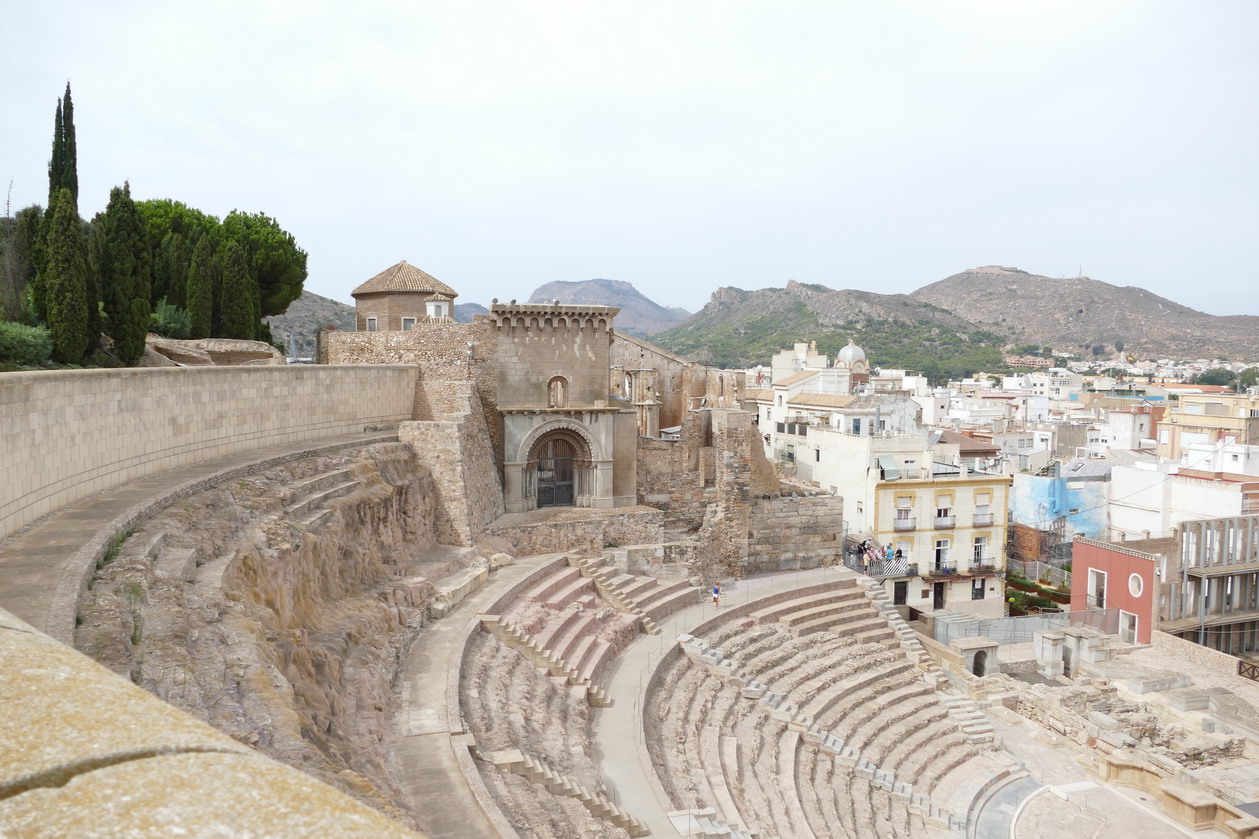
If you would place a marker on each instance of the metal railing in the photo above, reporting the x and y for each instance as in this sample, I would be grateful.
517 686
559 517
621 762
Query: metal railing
1033 570
904 524
982 520
945 522
882 568
1019 629
1248 669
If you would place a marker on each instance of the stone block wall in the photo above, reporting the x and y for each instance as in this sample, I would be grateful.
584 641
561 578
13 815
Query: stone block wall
441 352
70 433
456 447
588 534
792 533
539 342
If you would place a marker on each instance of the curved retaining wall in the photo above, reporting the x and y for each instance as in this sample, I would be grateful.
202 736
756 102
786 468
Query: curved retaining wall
67 434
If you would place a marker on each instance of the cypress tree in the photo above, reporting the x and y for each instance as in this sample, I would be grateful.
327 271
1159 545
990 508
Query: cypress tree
65 279
176 271
199 289
125 275
56 163
70 155
239 316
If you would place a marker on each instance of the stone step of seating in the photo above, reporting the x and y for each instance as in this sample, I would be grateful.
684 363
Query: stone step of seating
519 640
676 600
702 823
853 606
839 691
842 623
313 521
971 719
564 595
552 583
315 484
844 591
894 707
648 598
601 577
563 644
876 635
788 753
715 774
316 500
935 728
536 771
557 626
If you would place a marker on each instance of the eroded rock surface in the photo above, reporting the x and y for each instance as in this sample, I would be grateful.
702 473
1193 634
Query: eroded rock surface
276 608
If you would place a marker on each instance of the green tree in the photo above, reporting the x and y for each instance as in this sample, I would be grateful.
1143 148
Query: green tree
276 263
1220 376
240 318
125 275
1119 346
21 244
1248 378
176 261
200 289
65 281
63 167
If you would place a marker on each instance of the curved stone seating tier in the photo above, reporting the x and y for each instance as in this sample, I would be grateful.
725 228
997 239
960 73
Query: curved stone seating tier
569 624
652 598
808 717
508 705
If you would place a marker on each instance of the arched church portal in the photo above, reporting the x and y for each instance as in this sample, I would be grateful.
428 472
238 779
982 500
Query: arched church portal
559 470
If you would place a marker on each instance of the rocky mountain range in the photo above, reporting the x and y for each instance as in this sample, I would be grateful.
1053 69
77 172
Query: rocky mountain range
1071 313
639 315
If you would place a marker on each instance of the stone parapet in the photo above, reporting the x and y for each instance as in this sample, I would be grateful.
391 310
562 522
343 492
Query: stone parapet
69 434
100 756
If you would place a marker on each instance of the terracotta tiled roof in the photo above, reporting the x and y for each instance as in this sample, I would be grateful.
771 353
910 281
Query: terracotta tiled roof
761 395
404 277
967 445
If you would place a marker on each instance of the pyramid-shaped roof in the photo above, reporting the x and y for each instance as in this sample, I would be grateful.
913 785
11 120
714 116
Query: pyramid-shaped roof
404 277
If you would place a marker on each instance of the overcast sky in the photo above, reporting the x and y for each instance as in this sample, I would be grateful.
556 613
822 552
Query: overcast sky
680 146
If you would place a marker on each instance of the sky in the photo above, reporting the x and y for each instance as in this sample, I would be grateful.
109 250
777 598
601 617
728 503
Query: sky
680 145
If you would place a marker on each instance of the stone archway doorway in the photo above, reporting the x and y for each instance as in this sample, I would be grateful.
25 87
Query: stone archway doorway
559 469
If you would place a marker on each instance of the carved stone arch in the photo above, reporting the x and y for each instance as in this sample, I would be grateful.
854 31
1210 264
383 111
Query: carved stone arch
574 429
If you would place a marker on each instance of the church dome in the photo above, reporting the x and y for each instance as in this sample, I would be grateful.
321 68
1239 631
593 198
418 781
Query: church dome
850 354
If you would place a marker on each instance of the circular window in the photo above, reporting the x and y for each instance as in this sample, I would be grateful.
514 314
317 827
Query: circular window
1136 585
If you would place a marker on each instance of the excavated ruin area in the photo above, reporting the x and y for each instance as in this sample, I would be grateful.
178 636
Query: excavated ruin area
276 608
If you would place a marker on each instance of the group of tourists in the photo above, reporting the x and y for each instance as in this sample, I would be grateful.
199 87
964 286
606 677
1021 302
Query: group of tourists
870 552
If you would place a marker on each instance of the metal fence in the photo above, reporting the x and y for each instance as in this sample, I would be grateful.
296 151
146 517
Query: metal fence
1018 630
1031 569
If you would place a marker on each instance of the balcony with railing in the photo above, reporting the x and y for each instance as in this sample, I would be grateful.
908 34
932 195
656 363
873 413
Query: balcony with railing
945 522
941 568
982 520
881 568
902 525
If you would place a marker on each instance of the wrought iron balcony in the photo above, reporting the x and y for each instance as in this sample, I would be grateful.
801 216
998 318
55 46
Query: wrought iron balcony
945 522
982 520
904 524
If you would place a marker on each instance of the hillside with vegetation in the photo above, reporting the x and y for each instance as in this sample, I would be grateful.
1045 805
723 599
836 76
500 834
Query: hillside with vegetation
740 328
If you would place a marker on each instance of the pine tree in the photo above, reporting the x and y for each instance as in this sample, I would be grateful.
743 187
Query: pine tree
240 319
200 288
65 279
125 275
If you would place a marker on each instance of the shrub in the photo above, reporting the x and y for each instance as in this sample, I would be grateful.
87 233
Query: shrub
29 346
170 321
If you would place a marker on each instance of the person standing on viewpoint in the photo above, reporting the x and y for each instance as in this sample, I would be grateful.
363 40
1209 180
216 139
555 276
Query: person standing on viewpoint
717 594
